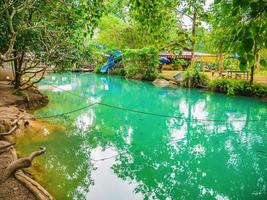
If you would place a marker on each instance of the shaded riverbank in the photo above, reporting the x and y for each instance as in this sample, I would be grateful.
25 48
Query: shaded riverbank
14 183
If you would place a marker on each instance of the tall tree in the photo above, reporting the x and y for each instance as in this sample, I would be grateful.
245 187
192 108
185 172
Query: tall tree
194 10
36 34
136 24
245 23
154 19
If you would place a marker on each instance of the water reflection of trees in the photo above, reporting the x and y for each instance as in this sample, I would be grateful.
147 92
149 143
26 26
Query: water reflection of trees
167 157
212 158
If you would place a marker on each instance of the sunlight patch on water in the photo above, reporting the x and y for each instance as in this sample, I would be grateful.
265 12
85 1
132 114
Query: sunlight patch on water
199 150
107 185
85 121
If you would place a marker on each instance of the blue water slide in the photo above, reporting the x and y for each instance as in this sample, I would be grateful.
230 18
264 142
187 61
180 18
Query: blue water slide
111 61
110 64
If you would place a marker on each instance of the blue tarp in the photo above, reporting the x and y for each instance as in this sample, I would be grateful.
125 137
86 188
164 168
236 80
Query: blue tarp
164 60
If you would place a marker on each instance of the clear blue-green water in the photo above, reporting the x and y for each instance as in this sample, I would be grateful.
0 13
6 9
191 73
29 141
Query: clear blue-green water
215 147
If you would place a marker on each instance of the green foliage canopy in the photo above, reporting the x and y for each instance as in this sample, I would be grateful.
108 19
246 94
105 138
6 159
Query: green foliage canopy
45 33
242 25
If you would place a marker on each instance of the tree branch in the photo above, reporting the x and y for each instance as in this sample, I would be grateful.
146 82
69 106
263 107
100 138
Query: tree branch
183 13
37 81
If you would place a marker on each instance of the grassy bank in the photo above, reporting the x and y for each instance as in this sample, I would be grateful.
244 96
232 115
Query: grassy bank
228 86
196 79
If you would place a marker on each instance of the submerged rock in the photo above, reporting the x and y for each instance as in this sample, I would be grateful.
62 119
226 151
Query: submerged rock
161 82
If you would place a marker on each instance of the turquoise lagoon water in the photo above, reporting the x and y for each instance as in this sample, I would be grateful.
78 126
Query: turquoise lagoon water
206 146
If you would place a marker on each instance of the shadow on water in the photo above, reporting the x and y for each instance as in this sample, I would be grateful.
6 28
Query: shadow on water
107 153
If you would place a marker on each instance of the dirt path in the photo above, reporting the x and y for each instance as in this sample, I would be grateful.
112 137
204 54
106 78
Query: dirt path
30 99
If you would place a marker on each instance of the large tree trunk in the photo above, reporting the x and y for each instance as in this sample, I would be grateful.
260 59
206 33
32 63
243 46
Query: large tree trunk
17 72
18 62
193 40
254 65
251 74
220 62
257 66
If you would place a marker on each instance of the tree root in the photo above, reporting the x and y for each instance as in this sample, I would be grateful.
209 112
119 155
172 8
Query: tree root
21 163
15 126
6 147
10 131
17 120
33 186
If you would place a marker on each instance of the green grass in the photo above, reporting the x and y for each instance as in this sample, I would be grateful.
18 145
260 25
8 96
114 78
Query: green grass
262 73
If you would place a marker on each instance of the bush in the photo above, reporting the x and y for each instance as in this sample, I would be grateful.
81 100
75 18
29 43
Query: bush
238 87
161 76
231 63
141 63
220 85
194 78
119 71
97 69
180 64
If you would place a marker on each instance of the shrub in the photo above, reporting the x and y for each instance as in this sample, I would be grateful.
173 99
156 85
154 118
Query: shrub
97 69
141 63
194 78
238 87
231 63
220 85
259 90
161 76
119 71
179 64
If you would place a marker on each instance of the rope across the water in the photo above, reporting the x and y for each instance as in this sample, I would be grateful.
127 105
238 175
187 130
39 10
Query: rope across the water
66 113
140 112
176 117
106 158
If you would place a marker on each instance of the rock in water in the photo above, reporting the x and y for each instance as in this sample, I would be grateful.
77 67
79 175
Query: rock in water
161 82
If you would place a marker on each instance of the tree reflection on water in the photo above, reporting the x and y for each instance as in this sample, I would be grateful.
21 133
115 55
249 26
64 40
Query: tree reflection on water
108 153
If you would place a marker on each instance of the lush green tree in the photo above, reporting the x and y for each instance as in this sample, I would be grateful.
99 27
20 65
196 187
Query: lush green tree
141 64
118 9
130 24
113 33
194 10
155 19
244 24
37 34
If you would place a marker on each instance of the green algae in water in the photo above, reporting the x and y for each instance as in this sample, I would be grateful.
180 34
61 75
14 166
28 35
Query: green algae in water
107 153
